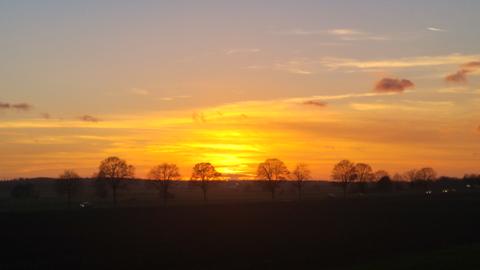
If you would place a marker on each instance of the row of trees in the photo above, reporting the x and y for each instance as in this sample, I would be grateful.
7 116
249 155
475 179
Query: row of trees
272 172
113 172
347 172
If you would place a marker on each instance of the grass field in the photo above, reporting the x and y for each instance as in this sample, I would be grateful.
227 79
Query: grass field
369 232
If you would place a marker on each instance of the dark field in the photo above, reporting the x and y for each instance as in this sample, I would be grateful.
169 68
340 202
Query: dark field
371 232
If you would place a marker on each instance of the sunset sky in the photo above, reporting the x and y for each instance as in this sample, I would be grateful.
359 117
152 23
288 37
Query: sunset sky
393 84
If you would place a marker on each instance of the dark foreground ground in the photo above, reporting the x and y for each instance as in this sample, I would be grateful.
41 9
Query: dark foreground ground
401 232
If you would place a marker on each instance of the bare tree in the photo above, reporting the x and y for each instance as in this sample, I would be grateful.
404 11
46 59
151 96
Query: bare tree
425 176
300 175
114 171
344 172
162 177
205 173
68 185
398 177
364 175
273 171
410 176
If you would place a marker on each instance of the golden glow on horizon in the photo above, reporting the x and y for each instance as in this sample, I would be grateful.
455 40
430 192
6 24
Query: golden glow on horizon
236 137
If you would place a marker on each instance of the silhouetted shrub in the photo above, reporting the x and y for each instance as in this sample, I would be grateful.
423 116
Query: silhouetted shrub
385 184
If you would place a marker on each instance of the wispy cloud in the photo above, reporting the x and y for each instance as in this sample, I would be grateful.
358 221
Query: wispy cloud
472 65
345 34
393 85
241 51
406 105
316 103
407 62
300 66
172 98
460 76
15 106
435 29
452 90
89 118
338 97
139 91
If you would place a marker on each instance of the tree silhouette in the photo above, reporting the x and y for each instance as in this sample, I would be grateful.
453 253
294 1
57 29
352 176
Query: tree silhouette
425 176
344 172
384 183
364 175
300 174
398 177
378 175
411 176
67 185
205 173
162 177
114 171
398 180
273 171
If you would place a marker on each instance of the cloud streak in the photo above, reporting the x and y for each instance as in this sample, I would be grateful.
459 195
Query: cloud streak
139 92
15 106
435 29
345 34
407 62
316 103
242 51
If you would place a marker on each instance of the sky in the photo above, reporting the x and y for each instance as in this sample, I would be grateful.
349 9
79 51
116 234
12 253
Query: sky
391 83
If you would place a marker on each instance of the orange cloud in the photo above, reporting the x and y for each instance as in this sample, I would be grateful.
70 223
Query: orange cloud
471 65
393 85
461 75
458 77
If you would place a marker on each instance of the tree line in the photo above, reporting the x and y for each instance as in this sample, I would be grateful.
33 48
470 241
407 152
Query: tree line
113 173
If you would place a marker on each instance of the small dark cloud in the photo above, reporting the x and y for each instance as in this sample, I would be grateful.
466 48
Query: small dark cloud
45 116
16 106
316 103
458 77
89 118
461 75
393 85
